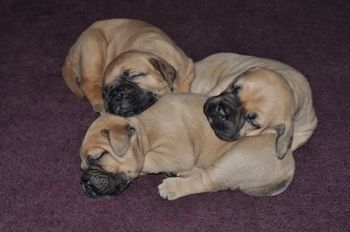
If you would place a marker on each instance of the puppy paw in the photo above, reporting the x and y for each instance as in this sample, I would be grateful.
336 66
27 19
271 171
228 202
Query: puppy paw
170 188
98 108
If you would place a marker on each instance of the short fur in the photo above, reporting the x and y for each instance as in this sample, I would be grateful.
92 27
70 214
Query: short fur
101 45
251 96
173 136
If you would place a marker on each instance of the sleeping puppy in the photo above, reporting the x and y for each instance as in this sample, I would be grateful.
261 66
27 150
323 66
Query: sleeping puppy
137 55
174 136
249 101
135 80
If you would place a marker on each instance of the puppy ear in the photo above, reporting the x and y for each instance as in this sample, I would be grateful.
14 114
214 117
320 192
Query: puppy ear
119 139
284 139
167 70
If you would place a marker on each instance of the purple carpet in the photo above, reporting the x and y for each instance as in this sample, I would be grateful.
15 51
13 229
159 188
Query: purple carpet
43 123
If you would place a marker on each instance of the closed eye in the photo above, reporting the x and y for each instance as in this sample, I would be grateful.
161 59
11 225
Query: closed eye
126 75
92 159
251 119
133 76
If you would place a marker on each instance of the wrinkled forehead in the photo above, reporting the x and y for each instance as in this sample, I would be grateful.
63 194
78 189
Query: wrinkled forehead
134 62
128 65
265 101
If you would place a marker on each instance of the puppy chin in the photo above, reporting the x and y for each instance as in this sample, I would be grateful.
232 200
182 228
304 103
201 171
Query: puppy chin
226 135
97 183
128 110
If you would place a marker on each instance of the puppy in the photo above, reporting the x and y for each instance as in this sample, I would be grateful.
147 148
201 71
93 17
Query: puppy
174 136
250 101
137 56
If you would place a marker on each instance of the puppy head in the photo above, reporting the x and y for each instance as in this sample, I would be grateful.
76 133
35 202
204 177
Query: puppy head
225 113
258 101
134 81
110 156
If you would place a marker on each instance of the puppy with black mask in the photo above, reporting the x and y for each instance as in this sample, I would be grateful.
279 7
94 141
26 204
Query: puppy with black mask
174 136
134 81
143 50
262 101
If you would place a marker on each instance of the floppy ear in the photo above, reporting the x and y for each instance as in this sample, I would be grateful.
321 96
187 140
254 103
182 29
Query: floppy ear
119 138
284 139
167 70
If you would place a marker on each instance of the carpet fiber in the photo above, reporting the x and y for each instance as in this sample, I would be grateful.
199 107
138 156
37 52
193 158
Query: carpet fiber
43 123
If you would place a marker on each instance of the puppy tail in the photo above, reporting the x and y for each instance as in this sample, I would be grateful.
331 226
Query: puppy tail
72 78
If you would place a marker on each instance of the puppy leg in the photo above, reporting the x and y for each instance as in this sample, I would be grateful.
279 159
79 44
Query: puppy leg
192 172
92 61
93 93
301 138
183 84
250 166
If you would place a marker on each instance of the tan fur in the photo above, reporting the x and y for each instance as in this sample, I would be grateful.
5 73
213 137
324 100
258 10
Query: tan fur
105 40
174 136
278 93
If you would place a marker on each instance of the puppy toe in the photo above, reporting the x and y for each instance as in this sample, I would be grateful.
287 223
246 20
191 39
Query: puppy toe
169 188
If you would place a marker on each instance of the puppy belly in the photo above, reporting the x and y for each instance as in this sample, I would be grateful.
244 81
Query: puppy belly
156 162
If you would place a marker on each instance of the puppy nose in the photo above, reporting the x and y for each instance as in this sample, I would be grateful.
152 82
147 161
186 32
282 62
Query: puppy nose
88 189
119 96
220 112
216 109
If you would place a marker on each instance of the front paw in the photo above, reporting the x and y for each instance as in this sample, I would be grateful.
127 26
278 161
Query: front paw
98 108
170 188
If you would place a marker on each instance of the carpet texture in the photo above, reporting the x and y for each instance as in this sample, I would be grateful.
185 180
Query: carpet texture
43 123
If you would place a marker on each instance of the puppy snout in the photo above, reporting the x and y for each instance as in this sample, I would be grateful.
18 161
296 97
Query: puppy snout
221 111
223 118
127 99
97 183
119 96
89 189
